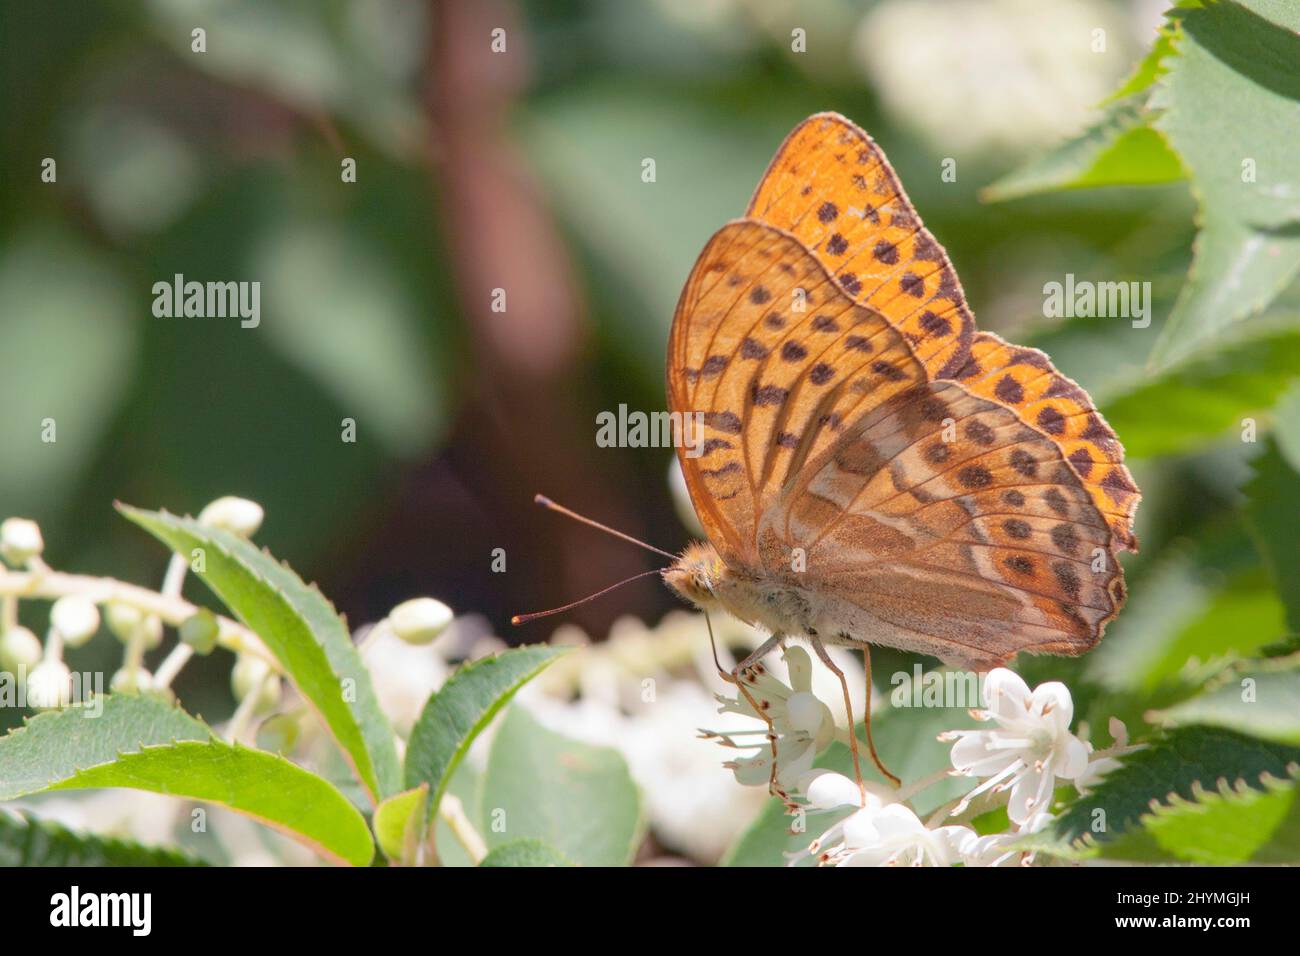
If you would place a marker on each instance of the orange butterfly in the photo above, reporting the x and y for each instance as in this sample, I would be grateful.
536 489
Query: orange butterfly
875 469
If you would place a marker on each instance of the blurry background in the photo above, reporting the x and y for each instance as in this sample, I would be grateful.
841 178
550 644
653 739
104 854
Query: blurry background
479 170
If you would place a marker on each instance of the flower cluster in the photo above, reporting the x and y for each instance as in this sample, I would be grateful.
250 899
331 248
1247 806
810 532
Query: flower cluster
137 617
1018 760
408 653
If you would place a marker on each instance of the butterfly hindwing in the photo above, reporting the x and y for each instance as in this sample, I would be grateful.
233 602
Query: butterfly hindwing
943 524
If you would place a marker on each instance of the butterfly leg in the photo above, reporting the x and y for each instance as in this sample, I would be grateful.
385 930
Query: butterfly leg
848 707
871 744
738 676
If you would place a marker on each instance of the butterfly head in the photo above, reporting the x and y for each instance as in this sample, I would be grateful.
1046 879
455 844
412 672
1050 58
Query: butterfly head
695 574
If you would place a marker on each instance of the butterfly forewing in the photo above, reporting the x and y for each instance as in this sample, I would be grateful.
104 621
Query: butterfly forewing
831 186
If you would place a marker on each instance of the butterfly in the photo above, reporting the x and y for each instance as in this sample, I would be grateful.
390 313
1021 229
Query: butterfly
873 469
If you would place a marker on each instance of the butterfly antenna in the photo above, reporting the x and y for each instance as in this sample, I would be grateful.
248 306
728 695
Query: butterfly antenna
546 502
525 618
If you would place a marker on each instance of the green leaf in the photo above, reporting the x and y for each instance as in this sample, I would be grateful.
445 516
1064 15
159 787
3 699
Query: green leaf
147 744
81 387
260 785
1286 425
52 746
304 633
1270 513
1226 96
1182 623
398 823
454 715
587 145
526 853
1213 829
1241 618
1119 149
28 841
1217 829
299 53
1263 705
1152 65
318 279
1212 392
1181 763
578 798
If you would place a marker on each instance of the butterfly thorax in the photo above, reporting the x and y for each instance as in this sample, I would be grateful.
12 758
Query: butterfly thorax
701 577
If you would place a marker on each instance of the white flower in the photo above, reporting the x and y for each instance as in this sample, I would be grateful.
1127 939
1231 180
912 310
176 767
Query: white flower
878 832
993 850
20 541
404 675
803 725
75 618
646 691
1031 747
1010 75
49 685
420 620
236 515
1098 767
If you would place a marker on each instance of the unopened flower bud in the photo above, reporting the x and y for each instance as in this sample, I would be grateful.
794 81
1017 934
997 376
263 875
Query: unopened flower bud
20 650
49 685
236 515
20 541
122 620
75 618
421 620
199 631
126 621
278 734
131 681
252 674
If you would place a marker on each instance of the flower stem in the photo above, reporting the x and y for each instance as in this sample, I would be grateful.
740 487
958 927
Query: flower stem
177 658
910 790
453 812
173 610
244 712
